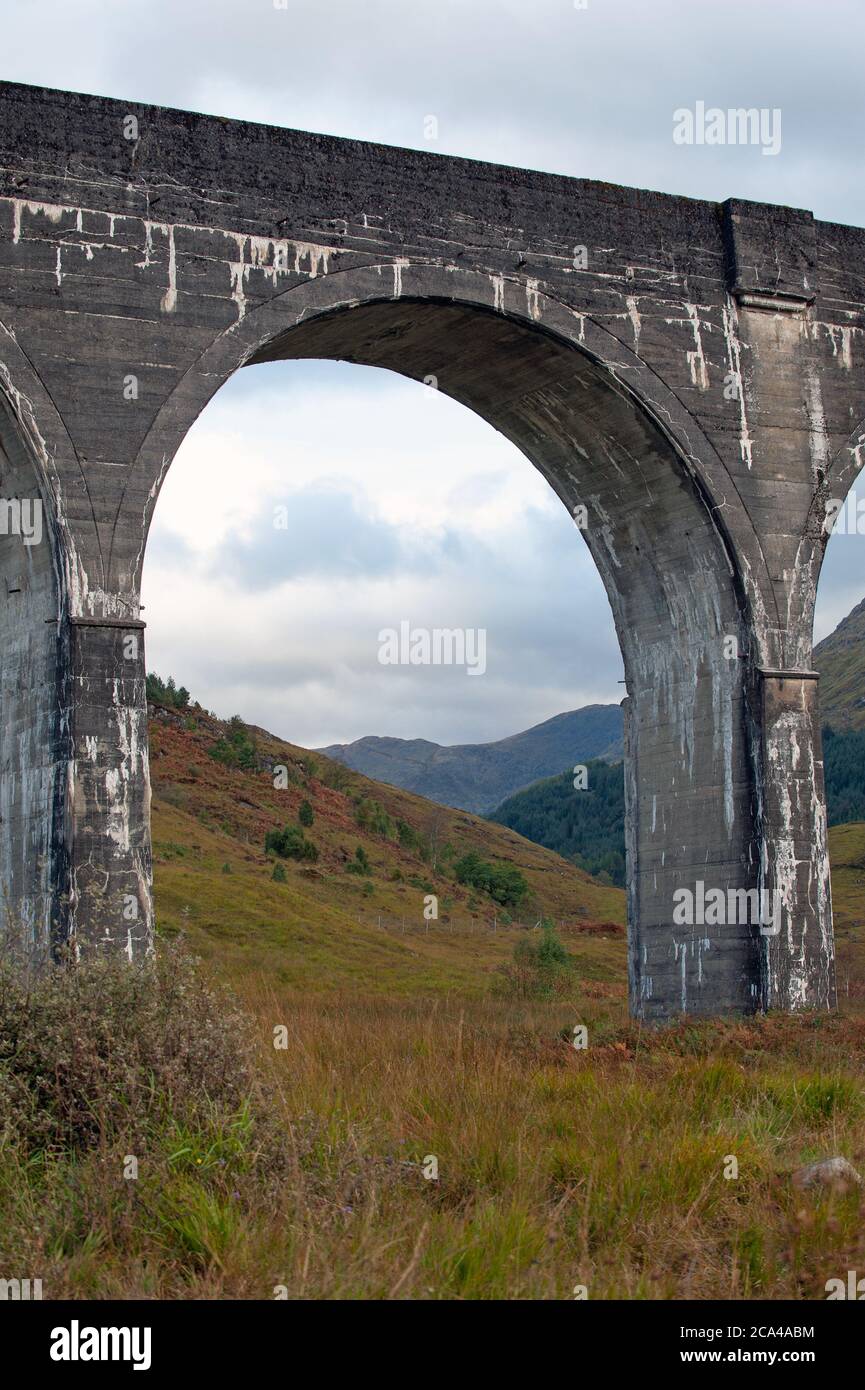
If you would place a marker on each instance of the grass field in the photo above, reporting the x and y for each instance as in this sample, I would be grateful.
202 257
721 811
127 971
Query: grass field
314 1172
555 1168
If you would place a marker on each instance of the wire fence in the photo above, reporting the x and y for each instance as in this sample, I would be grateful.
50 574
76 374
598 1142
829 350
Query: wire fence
449 926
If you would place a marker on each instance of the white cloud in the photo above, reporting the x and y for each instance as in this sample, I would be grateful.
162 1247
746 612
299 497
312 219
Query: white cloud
398 506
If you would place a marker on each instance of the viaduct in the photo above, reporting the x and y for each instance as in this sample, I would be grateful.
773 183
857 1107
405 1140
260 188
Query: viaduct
691 373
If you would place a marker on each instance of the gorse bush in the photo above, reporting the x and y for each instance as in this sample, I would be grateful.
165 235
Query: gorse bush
103 1049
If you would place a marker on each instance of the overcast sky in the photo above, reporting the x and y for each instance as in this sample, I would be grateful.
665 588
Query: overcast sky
401 503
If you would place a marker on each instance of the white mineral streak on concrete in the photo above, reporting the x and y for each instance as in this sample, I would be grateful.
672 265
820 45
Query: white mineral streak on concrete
734 360
840 336
498 284
605 530
533 302
696 359
785 755
145 521
636 322
680 955
53 211
268 254
818 436
148 246
169 299
236 270
119 779
399 265
800 605
782 760
767 653
702 944
318 257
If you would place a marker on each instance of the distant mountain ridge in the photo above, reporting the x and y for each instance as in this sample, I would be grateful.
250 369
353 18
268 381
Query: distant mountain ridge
840 659
478 777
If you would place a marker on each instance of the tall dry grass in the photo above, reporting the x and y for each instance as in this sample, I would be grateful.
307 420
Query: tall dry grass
305 1169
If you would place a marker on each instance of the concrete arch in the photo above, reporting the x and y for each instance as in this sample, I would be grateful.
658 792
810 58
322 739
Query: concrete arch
696 447
568 395
257 329
68 507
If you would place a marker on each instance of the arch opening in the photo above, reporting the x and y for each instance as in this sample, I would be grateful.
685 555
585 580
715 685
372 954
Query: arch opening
676 598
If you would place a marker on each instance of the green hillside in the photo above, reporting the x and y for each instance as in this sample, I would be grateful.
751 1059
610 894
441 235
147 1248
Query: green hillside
840 659
585 826
337 920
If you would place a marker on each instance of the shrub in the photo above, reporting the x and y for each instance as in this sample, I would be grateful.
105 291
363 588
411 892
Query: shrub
278 874
305 814
290 843
237 749
540 967
334 775
360 864
371 815
504 883
411 839
101 1049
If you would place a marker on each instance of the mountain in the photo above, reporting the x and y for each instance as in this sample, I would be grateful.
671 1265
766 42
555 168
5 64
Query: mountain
840 659
332 919
479 776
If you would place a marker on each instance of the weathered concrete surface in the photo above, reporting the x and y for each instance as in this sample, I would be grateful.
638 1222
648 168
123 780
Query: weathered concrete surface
691 373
